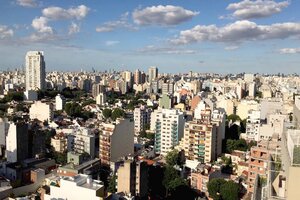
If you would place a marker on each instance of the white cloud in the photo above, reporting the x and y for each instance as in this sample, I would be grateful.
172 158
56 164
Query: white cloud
114 25
5 32
248 9
237 32
111 43
151 49
162 15
41 25
58 13
41 37
289 50
231 48
74 28
27 3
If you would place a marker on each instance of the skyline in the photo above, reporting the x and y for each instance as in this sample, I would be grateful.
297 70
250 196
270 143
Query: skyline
233 36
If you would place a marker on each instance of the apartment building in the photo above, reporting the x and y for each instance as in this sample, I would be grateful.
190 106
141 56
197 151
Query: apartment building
41 111
116 140
78 187
168 125
142 116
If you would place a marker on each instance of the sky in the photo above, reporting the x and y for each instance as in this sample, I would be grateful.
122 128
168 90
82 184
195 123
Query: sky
176 36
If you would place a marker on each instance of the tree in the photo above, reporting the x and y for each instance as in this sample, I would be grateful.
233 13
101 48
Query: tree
112 184
214 187
106 113
229 190
60 158
117 113
221 189
233 118
171 179
73 109
236 145
172 158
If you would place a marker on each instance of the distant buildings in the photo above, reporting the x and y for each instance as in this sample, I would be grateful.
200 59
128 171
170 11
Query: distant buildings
35 70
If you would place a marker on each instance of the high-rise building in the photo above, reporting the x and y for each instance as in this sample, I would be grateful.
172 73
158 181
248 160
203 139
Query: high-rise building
153 73
168 125
97 89
17 142
35 70
142 116
127 76
60 102
84 141
133 178
116 141
101 99
137 77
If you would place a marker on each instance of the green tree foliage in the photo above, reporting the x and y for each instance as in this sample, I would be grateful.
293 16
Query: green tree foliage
172 158
230 191
233 118
214 187
16 96
112 184
236 145
117 113
60 158
221 189
73 109
106 113
88 102
3 109
21 107
172 180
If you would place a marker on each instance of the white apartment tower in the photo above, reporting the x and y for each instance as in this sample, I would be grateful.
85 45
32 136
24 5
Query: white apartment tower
168 125
60 102
35 70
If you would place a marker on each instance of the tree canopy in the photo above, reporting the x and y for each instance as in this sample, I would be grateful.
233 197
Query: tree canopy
220 189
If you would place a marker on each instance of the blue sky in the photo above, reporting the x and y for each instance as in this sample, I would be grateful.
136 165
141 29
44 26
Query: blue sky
176 36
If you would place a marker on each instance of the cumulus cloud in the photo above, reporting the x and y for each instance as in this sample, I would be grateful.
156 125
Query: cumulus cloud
237 32
289 50
111 43
27 3
248 9
41 25
165 50
118 24
162 15
5 32
58 13
74 28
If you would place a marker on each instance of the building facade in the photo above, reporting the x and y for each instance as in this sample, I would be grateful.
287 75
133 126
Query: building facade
35 70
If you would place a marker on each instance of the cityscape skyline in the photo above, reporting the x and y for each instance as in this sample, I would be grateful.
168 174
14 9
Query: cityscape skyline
237 36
